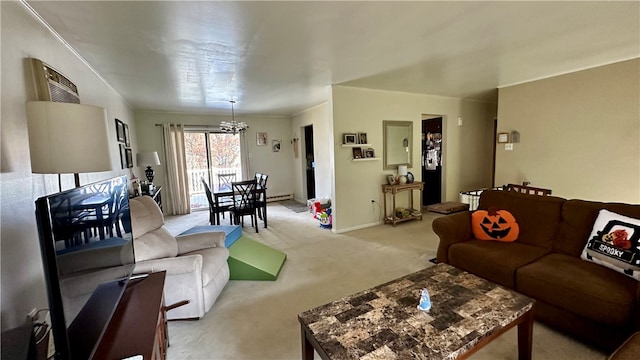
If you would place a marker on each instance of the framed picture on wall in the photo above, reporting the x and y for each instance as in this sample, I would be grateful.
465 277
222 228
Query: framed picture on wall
127 138
261 138
275 145
123 156
357 153
349 139
503 138
129 156
362 138
120 130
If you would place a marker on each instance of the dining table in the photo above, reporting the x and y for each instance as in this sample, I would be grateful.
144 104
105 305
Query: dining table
222 191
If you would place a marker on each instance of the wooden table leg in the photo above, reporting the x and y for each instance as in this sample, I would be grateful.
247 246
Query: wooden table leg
525 336
307 348
264 213
393 209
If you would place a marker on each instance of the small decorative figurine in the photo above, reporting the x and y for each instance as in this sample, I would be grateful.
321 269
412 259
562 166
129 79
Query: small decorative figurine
425 301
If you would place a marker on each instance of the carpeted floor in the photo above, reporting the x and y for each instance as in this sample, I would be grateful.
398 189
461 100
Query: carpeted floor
258 319
294 206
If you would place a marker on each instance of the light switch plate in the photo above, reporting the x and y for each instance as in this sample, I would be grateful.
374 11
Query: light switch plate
508 146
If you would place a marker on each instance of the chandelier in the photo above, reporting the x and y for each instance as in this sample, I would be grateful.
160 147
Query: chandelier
233 126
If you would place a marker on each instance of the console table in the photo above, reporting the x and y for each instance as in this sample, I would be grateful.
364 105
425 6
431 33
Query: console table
155 194
393 190
139 325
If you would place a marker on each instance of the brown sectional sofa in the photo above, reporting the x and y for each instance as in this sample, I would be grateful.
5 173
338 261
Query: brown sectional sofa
593 303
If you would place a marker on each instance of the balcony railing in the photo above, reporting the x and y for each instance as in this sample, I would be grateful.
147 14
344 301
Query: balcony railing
196 190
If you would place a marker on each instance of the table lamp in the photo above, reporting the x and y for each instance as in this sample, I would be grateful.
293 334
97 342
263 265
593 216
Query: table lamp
148 159
402 174
67 138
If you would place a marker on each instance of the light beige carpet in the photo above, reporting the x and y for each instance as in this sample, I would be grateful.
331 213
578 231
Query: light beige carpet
258 319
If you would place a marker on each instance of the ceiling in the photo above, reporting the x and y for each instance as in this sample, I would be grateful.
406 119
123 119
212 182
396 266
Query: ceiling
277 58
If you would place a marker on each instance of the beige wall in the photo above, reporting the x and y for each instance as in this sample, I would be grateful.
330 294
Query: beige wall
580 133
466 154
262 159
23 37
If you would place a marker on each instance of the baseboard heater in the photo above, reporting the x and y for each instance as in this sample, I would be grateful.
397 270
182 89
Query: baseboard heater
279 197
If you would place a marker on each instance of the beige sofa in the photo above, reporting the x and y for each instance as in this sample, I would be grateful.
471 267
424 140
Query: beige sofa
196 264
592 302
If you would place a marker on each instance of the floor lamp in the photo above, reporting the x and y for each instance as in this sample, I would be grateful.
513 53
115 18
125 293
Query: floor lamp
67 138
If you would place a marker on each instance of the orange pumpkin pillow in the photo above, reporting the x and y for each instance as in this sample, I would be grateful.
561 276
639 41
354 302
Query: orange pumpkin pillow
494 224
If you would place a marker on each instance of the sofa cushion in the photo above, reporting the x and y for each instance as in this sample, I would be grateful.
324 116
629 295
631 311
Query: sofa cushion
578 217
493 260
538 216
494 224
156 244
213 260
580 287
613 243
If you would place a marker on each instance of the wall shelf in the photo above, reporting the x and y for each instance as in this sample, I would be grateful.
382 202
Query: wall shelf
355 145
366 159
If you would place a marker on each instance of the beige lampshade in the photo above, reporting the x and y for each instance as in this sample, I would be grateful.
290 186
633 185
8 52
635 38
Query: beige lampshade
402 170
148 158
67 138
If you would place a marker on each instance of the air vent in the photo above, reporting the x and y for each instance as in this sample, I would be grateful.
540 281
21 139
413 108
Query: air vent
52 85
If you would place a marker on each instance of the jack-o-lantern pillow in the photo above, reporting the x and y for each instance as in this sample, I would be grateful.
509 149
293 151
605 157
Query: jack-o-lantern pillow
494 224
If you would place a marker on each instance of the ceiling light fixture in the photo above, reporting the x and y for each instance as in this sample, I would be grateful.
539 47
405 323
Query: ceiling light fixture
233 126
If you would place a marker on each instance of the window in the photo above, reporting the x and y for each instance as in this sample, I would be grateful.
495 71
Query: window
210 154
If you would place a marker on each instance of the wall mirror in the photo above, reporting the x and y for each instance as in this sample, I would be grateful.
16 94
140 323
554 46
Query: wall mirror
398 143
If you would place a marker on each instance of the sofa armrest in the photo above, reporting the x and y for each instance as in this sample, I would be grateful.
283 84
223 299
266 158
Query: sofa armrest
451 229
183 282
173 266
198 241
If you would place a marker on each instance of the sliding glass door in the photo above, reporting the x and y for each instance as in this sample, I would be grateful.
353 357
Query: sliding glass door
212 156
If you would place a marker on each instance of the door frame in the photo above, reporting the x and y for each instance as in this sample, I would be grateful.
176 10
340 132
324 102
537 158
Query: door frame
443 152
303 159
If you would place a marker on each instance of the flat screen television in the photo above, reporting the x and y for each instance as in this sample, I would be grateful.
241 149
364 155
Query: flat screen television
87 252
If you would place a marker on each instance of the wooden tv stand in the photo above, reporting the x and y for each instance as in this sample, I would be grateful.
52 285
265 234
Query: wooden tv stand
139 324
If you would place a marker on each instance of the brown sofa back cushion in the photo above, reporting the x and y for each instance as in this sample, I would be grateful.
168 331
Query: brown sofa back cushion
578 217
538 216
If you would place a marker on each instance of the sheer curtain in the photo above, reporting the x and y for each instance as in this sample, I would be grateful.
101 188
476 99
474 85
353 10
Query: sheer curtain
244 156
177 180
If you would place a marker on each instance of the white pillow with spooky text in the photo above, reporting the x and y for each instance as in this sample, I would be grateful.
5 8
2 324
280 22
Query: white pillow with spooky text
614 243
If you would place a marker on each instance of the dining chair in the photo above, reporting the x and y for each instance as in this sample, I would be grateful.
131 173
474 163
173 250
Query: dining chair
244 202
214 208
525 189
226 179
261 197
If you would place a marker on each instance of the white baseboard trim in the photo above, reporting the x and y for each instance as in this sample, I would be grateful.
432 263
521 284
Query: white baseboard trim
279 197
363 226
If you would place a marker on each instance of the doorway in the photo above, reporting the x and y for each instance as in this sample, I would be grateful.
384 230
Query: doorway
432 159
310 162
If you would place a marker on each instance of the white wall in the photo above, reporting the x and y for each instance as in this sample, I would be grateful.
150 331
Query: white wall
466 155
262 159
23 37
579 133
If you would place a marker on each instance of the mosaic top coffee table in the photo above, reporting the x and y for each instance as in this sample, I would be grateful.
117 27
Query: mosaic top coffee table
384 323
